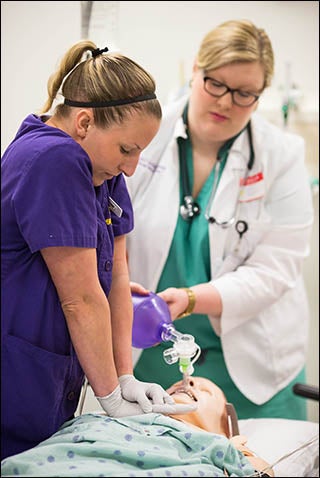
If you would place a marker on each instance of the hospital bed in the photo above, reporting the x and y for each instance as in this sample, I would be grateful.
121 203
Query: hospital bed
291 446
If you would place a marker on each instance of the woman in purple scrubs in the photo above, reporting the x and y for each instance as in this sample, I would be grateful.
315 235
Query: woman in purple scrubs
66 302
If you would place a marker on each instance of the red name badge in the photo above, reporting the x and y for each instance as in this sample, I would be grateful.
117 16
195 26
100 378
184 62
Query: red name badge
252 187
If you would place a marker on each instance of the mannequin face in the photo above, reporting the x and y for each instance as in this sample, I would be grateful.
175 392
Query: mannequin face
211 414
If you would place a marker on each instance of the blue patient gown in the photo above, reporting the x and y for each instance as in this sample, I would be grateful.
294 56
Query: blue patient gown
140 446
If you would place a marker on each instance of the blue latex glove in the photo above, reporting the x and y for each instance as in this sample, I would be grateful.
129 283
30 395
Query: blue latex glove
151 397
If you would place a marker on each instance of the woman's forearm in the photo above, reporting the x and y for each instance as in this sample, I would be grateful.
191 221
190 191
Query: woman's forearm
90 330
87 312
207 300
121 310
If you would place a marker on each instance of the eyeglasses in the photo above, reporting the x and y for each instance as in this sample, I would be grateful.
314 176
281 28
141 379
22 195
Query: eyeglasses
239 97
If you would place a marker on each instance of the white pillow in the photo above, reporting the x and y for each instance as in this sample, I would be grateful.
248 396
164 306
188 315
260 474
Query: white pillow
273 438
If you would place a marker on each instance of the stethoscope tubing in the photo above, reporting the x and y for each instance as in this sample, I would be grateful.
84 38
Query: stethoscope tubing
190 208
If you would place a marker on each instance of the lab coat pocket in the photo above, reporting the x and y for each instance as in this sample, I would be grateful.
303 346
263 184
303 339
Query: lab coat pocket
253 188
253 215
229 264
250 210
33 383
240 247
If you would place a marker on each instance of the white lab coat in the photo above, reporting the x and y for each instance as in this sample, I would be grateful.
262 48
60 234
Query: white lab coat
264 322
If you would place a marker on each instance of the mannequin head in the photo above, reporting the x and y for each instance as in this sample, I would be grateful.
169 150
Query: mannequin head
211 413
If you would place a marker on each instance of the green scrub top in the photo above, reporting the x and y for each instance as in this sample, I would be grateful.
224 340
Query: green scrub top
188 263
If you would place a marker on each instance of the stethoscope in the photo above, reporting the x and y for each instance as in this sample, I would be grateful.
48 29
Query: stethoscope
190 208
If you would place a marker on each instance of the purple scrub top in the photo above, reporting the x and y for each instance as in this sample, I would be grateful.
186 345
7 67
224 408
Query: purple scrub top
48 199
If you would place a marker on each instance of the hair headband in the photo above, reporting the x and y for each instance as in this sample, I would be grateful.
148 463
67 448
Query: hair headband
105 104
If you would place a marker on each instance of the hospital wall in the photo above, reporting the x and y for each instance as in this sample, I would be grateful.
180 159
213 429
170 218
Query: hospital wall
164 37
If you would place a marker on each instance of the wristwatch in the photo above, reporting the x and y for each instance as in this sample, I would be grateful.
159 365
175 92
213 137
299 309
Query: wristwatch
191 303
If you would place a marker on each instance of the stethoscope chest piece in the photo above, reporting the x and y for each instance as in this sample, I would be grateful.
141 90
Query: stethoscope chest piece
189 209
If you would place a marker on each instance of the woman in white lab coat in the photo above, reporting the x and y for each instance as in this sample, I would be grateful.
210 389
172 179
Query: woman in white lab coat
226 251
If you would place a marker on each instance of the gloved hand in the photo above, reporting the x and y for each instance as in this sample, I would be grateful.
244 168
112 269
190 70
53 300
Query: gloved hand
115 406
151 397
